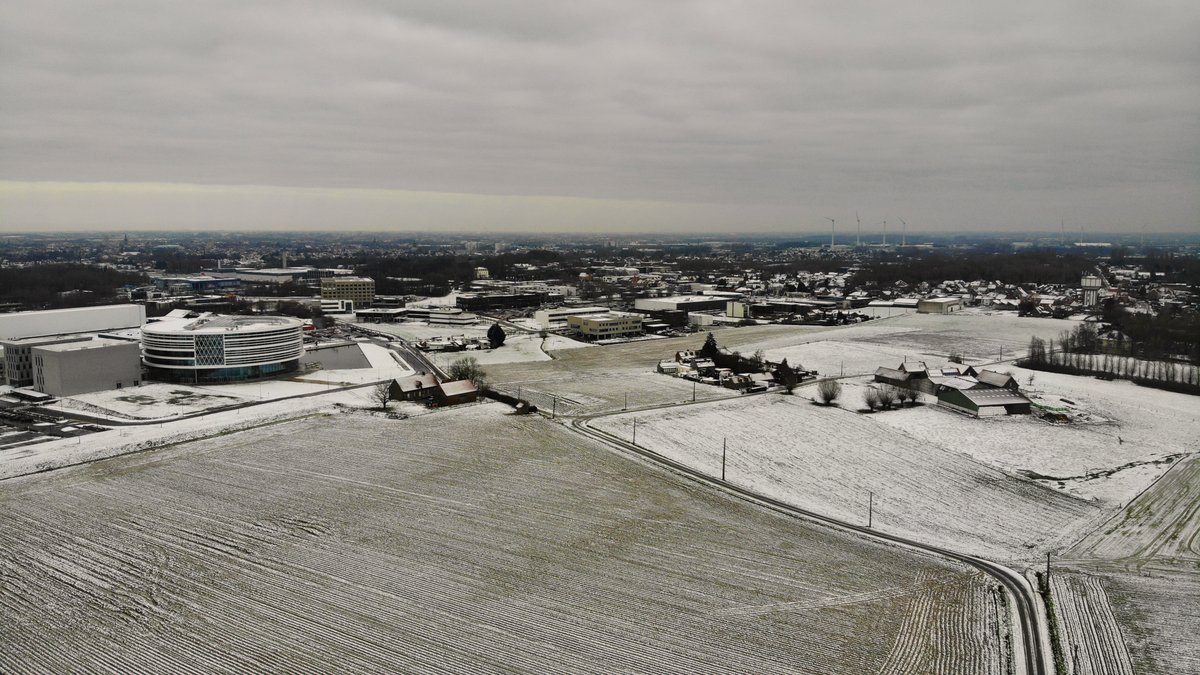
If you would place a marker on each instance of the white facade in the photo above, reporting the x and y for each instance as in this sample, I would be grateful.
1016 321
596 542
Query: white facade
76 320
603 326
939 305
222 348
70 368
550 318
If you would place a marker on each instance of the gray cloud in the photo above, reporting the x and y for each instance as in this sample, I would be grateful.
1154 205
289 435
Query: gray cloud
762 115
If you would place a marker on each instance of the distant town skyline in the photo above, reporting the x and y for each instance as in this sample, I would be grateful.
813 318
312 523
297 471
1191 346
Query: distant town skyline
615 117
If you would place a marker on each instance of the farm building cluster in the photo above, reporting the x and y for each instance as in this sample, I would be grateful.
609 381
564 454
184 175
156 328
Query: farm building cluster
698 367
982 393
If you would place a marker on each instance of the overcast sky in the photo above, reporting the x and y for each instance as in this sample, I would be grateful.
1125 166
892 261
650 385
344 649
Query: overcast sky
600 116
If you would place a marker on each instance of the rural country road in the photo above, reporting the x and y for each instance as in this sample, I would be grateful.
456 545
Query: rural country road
1032 654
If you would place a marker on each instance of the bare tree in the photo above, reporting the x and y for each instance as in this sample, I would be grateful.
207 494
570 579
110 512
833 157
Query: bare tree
888 395
871 398
382 394
912 395
467 368
829 390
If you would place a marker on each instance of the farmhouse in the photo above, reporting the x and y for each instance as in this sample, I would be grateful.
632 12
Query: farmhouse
414 387
984 402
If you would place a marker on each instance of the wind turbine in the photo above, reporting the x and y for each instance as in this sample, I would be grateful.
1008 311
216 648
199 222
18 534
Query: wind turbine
832 225
903 231
858 237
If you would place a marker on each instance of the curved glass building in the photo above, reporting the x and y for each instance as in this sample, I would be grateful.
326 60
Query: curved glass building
210 348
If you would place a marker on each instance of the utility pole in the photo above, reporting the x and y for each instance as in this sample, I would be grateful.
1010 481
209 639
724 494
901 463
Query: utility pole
1047 569
870 508
693 392
553 407
635 431
626 406
724 447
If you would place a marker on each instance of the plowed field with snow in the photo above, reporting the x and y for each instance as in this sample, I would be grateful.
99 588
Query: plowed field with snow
460 541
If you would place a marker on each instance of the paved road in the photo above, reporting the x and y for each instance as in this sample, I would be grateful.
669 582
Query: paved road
1032 652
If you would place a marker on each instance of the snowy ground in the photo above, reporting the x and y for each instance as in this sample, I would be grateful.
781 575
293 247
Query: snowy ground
157 401
830 459
356 543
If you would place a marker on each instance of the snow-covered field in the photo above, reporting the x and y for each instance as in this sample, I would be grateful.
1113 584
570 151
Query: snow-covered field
463 540
830 459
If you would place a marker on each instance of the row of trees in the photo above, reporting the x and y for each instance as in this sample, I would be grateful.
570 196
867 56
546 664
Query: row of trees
889 396
1180 377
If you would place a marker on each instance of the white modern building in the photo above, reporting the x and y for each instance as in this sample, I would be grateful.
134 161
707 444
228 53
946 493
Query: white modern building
939 305
84 366
557 317
77 320
211 348
606 326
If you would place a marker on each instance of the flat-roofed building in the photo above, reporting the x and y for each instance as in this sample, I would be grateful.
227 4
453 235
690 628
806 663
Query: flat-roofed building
18 356
211 348
557 317
939 305
686 303
84 366
359 290
606 326
65 321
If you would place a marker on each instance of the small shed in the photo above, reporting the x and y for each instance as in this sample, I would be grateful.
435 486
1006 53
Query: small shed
984 402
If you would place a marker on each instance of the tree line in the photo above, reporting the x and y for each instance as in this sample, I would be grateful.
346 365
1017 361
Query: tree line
1078 354
53 286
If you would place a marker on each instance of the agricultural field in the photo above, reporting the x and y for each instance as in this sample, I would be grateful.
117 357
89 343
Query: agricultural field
1090 635
1159 615
829 460
358 543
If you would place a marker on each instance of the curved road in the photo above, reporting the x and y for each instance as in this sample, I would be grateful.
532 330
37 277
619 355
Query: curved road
1034 650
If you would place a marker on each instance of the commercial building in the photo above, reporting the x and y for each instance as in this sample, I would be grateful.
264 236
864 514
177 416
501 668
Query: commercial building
557 317
381 314
359 290
84 366
211 348
606 326
684 303
445 316
65 321
485 301
939 305
200 283
18 356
